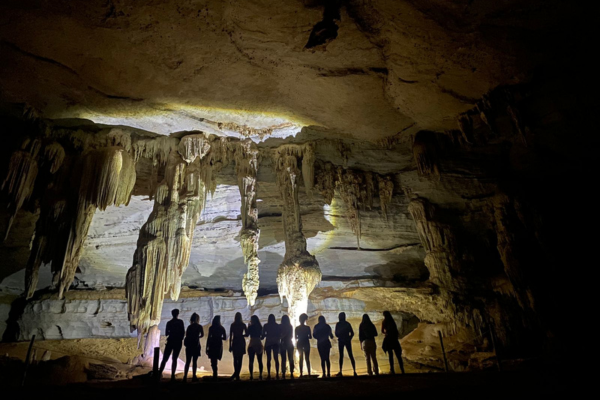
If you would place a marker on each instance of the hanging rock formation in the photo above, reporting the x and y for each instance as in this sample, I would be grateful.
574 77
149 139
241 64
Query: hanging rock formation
299 272
247 168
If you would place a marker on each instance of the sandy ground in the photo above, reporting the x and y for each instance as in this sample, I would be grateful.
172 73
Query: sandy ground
122 351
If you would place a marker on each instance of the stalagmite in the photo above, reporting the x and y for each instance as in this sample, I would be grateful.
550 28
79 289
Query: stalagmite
299 272
247 168
425 154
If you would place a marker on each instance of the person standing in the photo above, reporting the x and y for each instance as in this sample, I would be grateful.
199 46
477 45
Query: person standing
322 332
344 333
272 333
255 347
214 344
287 345
237 344
391 344
175 332
192 346
366 335
303 337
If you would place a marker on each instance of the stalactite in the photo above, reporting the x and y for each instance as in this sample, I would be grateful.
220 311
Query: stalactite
299 272
356 189
164 246
20 180
247 168
425 154
386 191
96 179
439 244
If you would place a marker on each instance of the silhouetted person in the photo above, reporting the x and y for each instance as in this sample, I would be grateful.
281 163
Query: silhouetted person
287 345
214 344
175 332
192 346
344 333
272 333
366 335
255 346
303 337
322 332
391 344
237 344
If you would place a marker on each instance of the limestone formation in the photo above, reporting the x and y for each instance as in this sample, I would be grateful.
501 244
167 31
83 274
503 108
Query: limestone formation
247 169
299 272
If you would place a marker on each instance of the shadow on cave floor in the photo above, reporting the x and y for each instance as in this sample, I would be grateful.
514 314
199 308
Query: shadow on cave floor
488 385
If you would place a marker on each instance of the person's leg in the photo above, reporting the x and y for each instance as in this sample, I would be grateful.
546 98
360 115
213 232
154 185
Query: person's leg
188 359
351 356
367 357
324 371
259 358
328 362
240 364
283 360
398 352
251 362
166 355
374 357
308 359
341 360
391 358
291 361
269 350
176 351
301 355
215 368
276 357
194 367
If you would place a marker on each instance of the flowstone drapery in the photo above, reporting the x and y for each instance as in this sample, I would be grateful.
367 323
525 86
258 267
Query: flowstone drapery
299 272
247 168
96 178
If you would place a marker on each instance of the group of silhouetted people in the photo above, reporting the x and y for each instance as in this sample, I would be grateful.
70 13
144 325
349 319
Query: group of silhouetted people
278 341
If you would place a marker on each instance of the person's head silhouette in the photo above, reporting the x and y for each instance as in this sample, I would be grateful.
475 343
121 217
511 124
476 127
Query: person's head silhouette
271 319
175 312
216 320
238 318
366 319
195 319
303 318
342 316
254 320
285 320
322 319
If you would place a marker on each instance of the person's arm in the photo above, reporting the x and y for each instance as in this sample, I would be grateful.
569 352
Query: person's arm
168 329
201 331
296 334
309 335
264 332
230 338
245 331
223 333
330 333
383 330
337 330
351 331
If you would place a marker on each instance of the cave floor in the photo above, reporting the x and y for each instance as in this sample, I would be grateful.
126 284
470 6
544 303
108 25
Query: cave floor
484 385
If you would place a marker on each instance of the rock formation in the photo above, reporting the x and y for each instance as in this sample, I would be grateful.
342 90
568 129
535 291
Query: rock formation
299 272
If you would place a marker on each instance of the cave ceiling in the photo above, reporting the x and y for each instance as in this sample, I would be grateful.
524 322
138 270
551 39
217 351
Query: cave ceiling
366 70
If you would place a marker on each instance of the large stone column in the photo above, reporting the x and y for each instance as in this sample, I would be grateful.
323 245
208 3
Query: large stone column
247 168
299 272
